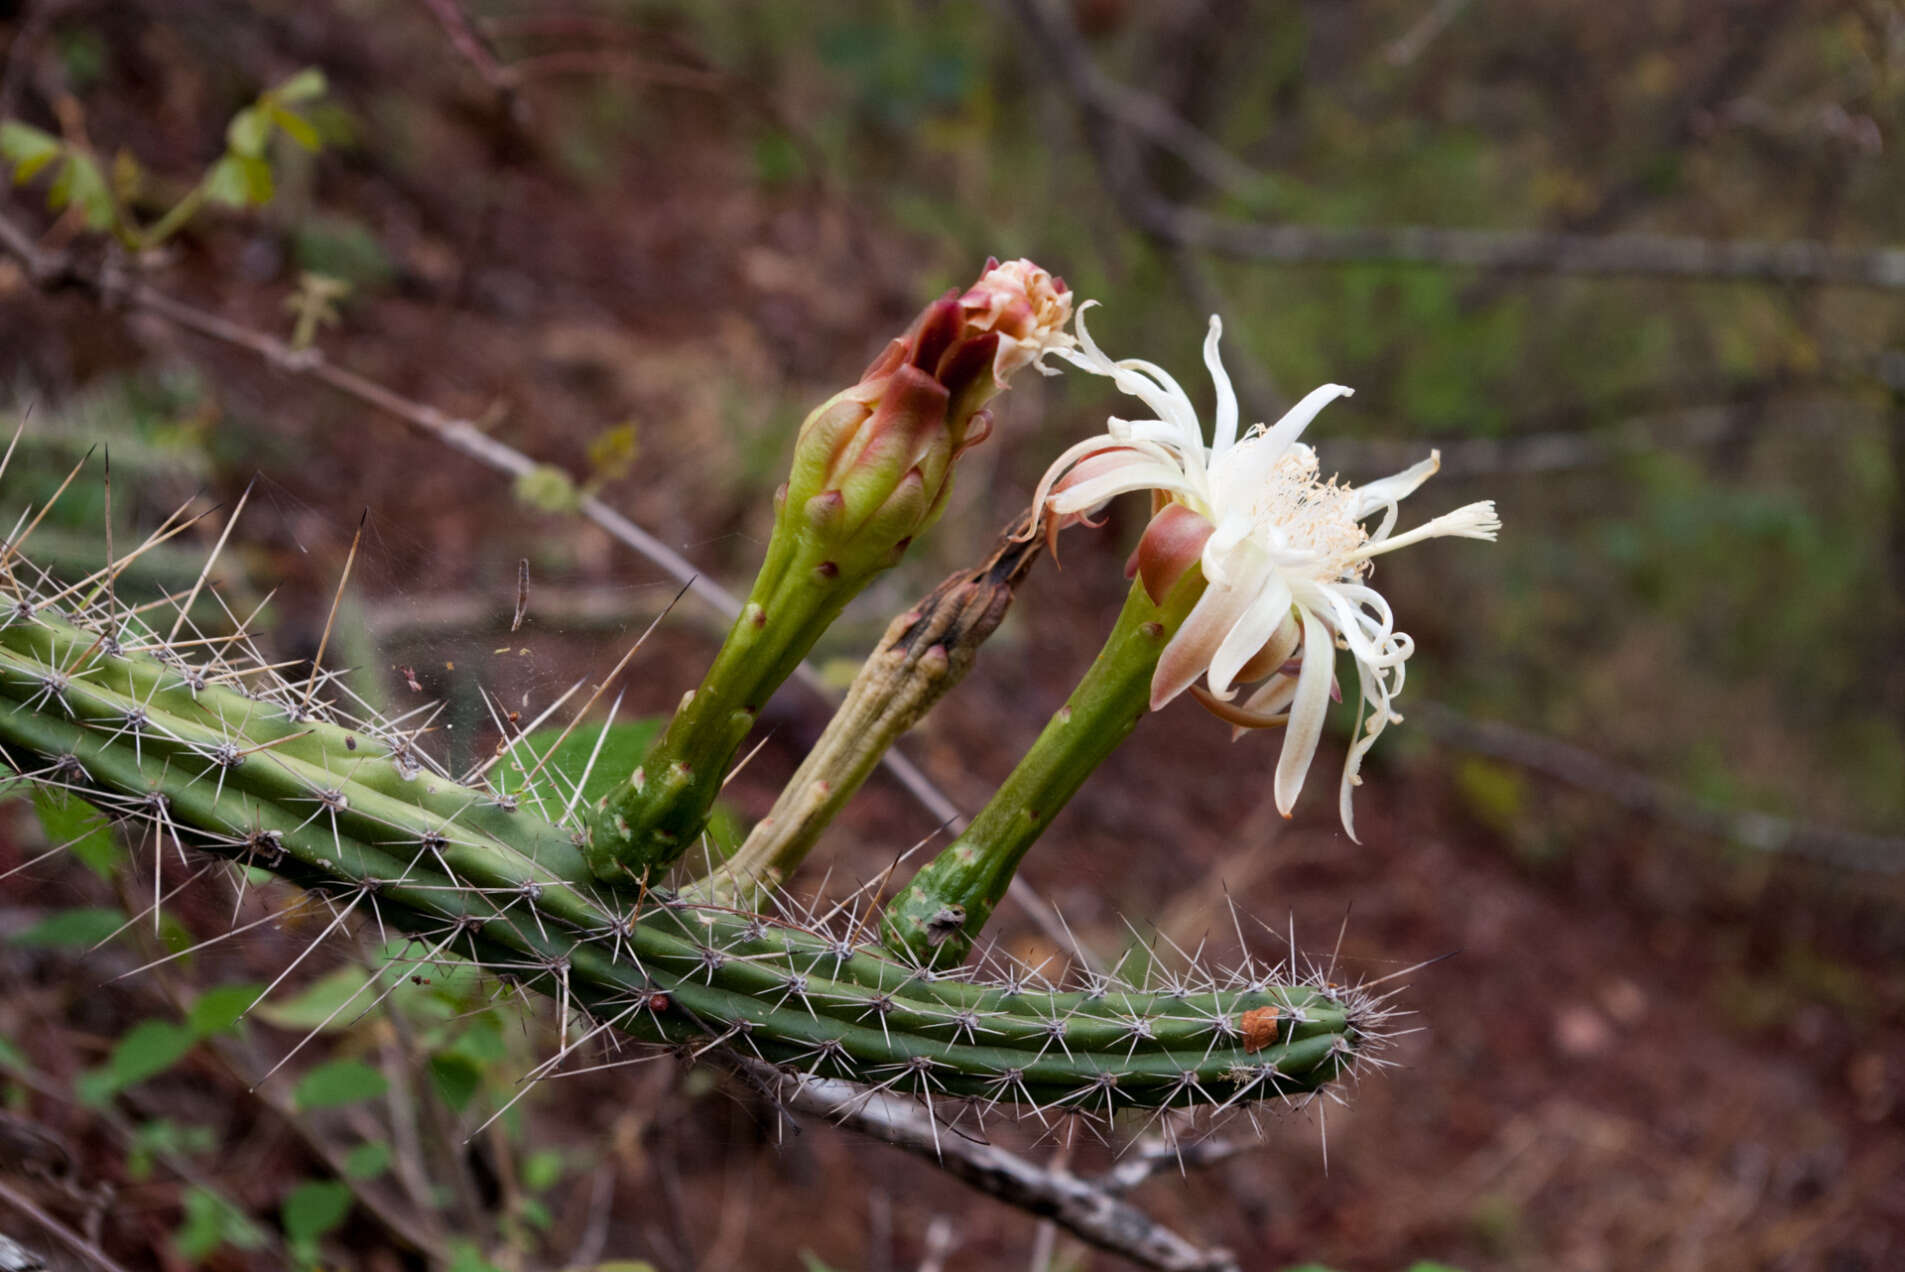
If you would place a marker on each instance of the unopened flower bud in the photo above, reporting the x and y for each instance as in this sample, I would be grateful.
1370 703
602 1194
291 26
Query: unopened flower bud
920 405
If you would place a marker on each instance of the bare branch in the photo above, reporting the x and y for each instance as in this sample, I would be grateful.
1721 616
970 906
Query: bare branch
1529 251
1564 450
1148 1158
72 1240
1798 261
1639 793
1089 1211
472 48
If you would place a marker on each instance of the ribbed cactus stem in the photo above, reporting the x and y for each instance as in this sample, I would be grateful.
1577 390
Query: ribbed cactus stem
246 774
647 822
937 916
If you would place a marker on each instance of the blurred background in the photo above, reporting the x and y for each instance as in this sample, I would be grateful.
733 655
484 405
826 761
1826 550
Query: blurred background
1635 268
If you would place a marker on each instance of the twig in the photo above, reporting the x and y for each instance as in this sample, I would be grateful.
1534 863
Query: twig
1528 251
1082 1207
1624 255
1637 792
1145 1160
1145 114
1563 450
472 48
66 1236
1407 47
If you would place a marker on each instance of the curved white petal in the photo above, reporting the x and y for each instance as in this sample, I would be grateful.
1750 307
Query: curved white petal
1307 710
1096 490
1256 625
1298 417
1224 426
1394 489
1188 654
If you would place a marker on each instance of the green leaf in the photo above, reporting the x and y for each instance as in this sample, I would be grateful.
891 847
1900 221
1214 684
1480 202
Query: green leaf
27 149
367 1160
81 183
314 1208
305 86
296 127
482 1042
11 1057
534 1213
210 1222
547 488
622 751
258 184
543 1169
322 1000
337 1083
225 183
66 929
164 1136
248 131
465 1256
148 1049
219 1009
456 1078
82 829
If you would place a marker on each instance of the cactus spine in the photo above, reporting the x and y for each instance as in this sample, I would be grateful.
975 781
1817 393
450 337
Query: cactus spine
250 772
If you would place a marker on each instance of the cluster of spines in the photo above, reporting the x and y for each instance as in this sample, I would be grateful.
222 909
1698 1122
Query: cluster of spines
224 755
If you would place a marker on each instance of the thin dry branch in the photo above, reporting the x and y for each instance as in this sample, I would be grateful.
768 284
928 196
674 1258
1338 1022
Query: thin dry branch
73 1241
1797 261
1637 792
1088 1210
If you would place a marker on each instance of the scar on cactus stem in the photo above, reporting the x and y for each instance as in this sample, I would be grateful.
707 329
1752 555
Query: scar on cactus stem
871 471
199 747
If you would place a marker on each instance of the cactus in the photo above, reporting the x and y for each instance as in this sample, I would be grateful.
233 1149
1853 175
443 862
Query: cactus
223 756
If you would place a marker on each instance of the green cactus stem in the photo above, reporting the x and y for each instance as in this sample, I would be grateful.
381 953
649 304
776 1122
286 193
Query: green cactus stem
936 917
924 653
871 471
229 760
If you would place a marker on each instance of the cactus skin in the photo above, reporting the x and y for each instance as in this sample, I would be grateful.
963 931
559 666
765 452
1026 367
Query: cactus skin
936 917
249 776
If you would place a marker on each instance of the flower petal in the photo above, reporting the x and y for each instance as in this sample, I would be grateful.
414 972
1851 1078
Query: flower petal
1224 426
1395 488
1189 652
1254 627
1275 652
1298 417
1307 710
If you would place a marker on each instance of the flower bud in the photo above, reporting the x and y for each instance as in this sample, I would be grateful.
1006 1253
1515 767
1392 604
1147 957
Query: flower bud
919 406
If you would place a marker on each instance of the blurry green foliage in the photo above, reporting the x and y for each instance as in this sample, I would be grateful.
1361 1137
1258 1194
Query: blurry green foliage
211 1221
336 1083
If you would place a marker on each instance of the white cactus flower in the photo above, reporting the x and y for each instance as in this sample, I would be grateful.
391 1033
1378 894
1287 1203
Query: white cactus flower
1286 556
